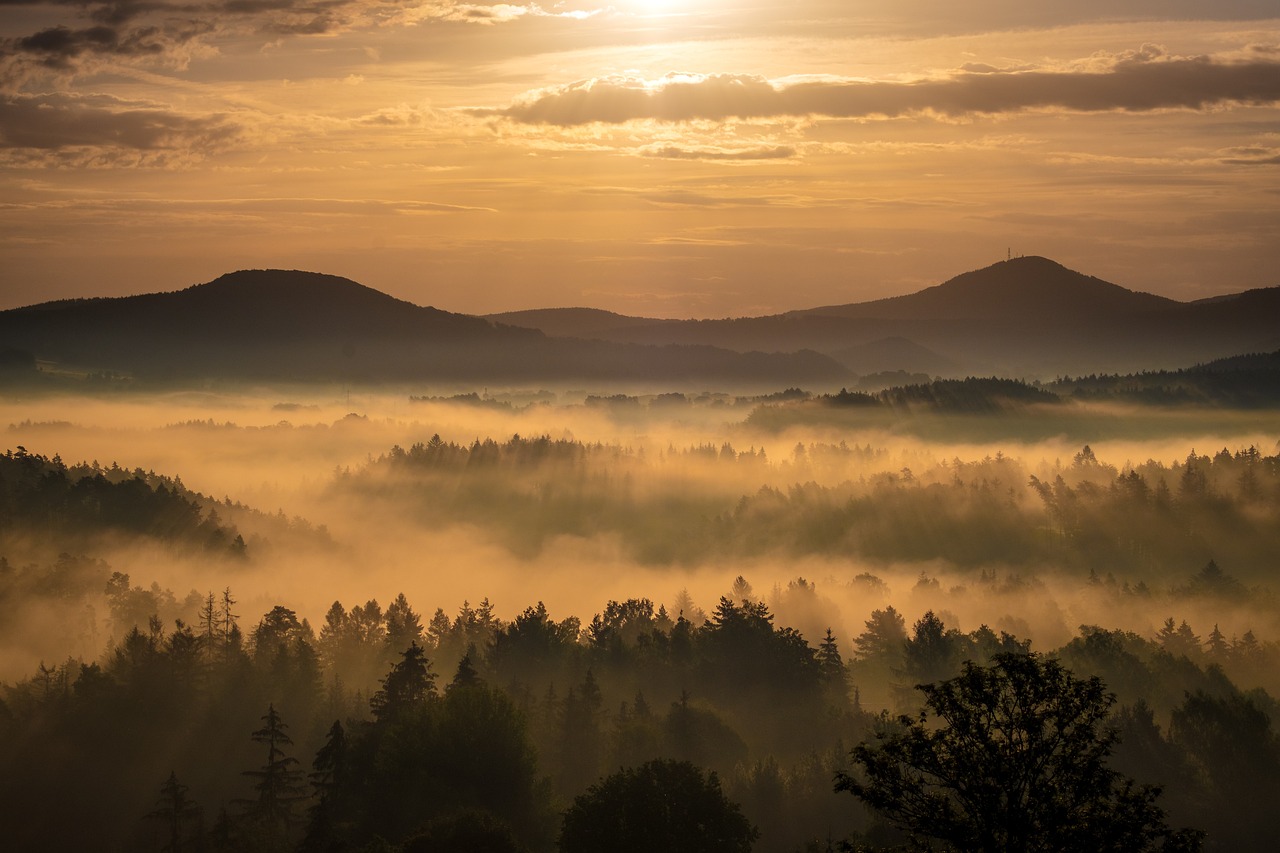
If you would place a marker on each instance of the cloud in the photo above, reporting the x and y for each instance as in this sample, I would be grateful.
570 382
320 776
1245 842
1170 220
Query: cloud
687 198
100 128
168 34
472 13
1139 81
1255 155
62 50
673 152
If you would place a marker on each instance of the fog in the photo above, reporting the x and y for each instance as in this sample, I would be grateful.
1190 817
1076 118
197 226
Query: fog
639 511
630 575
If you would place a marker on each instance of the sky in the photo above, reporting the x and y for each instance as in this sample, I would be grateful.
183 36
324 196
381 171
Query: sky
705 158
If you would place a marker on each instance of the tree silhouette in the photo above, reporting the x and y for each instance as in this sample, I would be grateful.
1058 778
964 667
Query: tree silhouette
175 810
328 778
279 783
1013 759
328 819
409 684
404 626
933 651
835 677
470 830
661 805
466 675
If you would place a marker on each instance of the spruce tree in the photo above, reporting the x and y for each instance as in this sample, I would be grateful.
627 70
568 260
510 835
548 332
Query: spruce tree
176 811
279 781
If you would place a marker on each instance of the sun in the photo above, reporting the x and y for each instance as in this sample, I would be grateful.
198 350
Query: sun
655 6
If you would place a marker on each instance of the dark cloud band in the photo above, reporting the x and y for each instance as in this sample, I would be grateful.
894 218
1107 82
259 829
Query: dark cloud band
54 122
1136 86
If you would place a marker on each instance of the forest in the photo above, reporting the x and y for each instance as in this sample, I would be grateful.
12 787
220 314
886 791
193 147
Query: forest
513 621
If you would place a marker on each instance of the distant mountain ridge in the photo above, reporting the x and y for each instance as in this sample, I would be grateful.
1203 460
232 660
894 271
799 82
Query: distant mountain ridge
1024 317
1027 316
294 325
1023 288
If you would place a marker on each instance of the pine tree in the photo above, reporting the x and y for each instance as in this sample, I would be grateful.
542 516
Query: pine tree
328 776
279 783
466 676
409 683
328 770
222 835
831 667
1216 646
176 811
404 627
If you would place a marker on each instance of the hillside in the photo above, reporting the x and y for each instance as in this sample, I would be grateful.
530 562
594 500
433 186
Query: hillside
574 322
1024 289
292 325
1026 316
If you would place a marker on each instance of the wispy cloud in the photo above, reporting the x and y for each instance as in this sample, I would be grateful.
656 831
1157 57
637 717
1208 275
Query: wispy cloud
675 152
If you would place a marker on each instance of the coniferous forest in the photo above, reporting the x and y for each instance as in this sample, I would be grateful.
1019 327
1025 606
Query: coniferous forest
539 622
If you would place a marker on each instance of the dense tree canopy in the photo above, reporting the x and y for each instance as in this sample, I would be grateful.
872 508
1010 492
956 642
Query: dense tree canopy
661 805
1010 757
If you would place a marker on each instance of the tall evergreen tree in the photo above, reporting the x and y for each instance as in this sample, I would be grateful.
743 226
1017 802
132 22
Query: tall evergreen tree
279 781
409 683
327 817
404 626
176 811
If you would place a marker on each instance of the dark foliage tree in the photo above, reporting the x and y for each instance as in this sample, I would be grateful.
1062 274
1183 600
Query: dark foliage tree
533 643
835 678
884 638
177 813
468 750
701 736
661 805
469 831
404 626
580 742
410 683
84 500
466 675
1230 741
279 781
1010 757
328 816
933 652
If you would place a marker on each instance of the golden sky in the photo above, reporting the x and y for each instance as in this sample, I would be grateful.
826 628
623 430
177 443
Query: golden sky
685 159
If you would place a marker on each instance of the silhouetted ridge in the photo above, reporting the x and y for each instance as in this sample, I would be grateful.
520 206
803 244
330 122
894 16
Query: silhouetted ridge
289 324
307 304
574 322
1030 288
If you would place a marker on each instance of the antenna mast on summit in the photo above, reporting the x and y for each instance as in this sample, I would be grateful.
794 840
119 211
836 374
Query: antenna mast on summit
1008 254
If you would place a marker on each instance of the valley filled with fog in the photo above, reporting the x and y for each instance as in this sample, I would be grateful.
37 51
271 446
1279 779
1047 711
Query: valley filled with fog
1136 542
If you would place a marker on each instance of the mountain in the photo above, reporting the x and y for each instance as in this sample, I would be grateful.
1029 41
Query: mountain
1025 289
1027 316
293 325
590 323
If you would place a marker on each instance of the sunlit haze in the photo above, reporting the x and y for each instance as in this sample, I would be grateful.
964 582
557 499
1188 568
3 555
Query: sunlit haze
639 426
652 157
